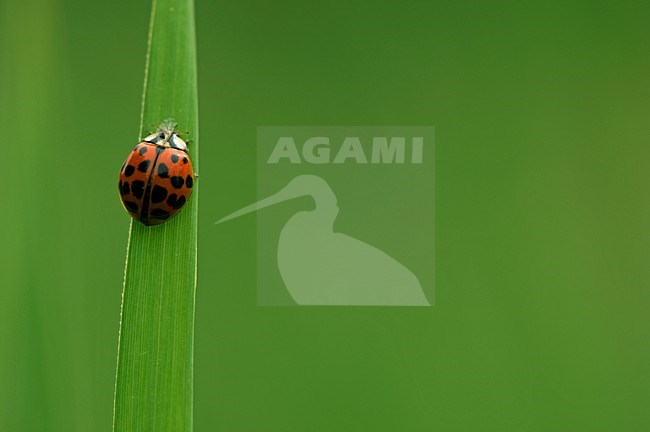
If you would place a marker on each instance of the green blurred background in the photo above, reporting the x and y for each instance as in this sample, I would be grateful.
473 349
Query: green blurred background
542 114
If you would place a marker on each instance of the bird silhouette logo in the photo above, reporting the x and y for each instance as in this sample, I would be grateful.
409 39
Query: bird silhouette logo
321 267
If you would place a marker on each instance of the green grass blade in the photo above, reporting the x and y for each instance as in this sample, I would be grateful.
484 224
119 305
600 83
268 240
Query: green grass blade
153 390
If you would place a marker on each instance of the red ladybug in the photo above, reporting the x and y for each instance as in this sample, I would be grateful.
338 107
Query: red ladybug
157 178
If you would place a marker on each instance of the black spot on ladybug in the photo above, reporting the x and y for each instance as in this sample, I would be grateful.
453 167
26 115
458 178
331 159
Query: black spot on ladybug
189 181
158 194
160 213
174 158
137 187
130 169
144 166
159 150
143 150
124 188
175 202
180 202
163 171
131 206
177 182
184 160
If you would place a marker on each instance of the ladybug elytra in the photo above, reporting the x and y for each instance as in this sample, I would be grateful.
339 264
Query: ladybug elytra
157 178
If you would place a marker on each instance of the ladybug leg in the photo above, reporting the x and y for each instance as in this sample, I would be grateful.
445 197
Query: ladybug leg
189 141
196 176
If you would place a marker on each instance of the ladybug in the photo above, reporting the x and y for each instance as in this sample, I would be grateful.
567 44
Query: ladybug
157 178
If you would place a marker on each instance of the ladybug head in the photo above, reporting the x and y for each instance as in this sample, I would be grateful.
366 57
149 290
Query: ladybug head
168 125
166 136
